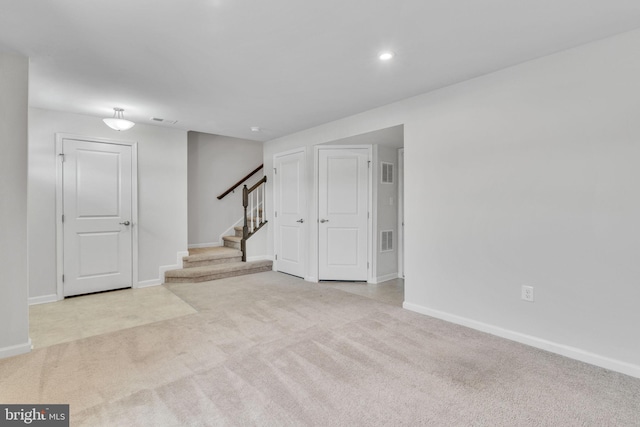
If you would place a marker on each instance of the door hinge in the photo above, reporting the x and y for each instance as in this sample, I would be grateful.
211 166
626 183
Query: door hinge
368 163
63 218
63 278
275 171
367 265
368 215
276 257
61 157
276 214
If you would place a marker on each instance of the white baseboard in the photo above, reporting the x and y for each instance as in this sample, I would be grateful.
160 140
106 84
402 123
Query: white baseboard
161 270
260 258
15 350
553 347
149 283
384 278
43 299
204 245
178 264
311 279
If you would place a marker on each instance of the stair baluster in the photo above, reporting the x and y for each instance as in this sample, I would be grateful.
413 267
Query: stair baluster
254 218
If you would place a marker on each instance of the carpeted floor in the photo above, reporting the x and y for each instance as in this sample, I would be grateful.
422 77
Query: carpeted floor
270 349
96 314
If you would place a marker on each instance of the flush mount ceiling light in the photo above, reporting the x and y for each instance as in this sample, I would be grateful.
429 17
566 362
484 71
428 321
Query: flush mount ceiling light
385 56
255 128
117 122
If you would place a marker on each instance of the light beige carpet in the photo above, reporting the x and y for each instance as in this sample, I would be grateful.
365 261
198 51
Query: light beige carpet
270 349
96 314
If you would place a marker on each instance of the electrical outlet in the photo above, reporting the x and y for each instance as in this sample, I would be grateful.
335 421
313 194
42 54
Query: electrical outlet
527 293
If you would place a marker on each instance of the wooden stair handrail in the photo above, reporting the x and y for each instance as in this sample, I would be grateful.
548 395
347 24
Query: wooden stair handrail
239 183
256 185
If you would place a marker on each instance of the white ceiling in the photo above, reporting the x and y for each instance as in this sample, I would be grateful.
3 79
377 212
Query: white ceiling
222 66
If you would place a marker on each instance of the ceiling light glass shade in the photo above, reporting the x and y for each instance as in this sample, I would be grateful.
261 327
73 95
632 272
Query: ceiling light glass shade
385 56
117 122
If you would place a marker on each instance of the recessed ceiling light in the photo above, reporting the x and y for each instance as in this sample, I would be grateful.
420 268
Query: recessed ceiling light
385 56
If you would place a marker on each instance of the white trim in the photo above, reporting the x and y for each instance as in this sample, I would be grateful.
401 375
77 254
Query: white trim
164 268
149 283
59 137
205 245
384 278
553 347
15 350
312 279
314 233
260 258
373 217
373 213
44 299
59 212
134 213
400 235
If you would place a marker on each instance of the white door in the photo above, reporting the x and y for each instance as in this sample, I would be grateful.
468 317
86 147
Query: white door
343 200
97 215
290 211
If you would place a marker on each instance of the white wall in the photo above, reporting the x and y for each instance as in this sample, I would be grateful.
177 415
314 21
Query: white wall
162 194
215 163
386 213
14 314
524 176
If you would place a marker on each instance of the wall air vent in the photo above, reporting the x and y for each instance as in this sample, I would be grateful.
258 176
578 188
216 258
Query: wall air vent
386 241
386 175
165 121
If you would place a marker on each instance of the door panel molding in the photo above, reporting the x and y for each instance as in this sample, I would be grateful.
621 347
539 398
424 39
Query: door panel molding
60 138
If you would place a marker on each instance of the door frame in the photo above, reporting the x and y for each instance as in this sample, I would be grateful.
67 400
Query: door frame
400 213
276 220
59 205
371 276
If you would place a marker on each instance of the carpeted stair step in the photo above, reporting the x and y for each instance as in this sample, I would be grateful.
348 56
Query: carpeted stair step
218 271
232 242
211 256
238 230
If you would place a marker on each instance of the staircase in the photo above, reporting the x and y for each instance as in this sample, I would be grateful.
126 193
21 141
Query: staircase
204 264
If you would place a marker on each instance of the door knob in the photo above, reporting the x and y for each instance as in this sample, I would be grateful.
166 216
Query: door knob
300 220
125 223
324 220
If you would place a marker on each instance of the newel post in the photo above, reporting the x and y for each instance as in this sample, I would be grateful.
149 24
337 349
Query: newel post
245 227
